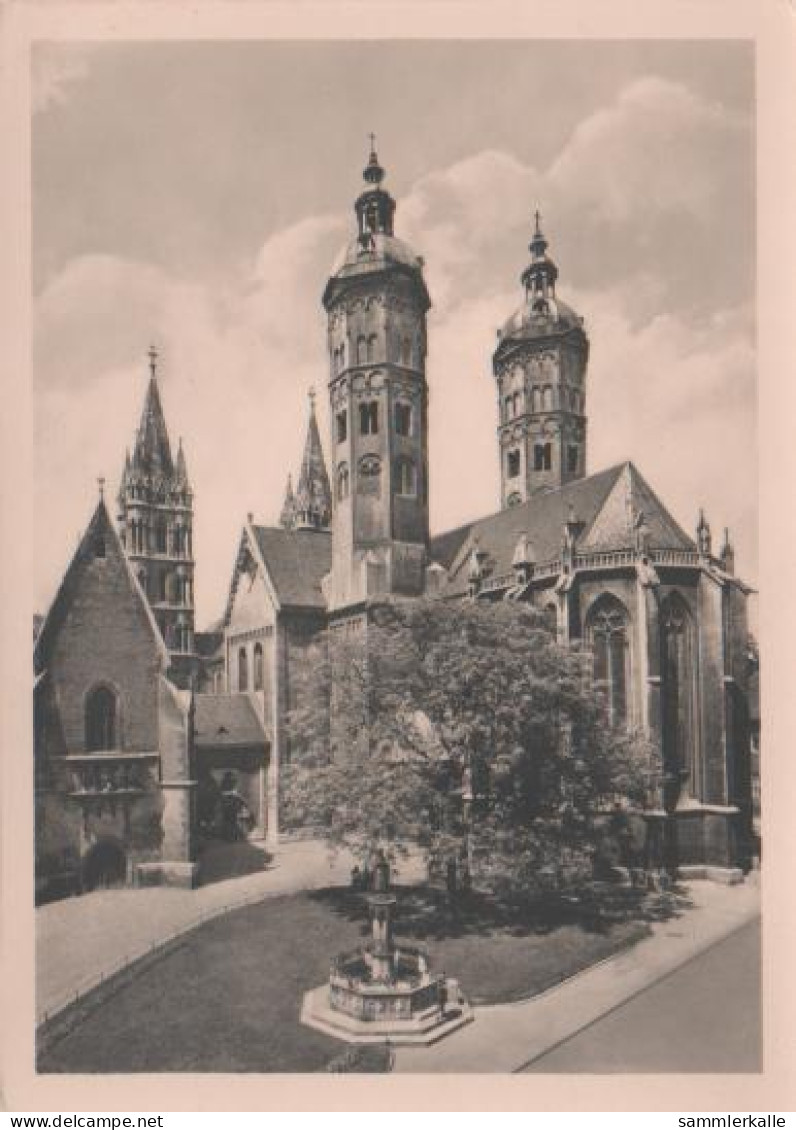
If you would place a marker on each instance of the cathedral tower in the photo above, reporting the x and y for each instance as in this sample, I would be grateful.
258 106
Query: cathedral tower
376 301
540 369
155 524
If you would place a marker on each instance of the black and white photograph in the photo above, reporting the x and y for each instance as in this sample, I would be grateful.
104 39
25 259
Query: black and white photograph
395 501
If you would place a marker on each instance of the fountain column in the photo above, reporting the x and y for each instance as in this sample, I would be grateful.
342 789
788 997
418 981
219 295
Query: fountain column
381 927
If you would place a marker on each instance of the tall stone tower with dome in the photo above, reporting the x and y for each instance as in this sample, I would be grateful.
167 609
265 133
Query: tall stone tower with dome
540 369
376 301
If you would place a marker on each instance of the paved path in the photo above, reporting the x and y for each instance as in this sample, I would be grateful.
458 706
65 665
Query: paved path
80 940
704 1017
506 1038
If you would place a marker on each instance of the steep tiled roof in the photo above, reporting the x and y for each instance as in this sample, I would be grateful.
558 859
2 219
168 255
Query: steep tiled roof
296 561
226 720
601 503
100 530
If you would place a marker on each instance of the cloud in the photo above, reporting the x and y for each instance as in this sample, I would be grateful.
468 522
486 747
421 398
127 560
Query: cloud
55 69
238 356
638 202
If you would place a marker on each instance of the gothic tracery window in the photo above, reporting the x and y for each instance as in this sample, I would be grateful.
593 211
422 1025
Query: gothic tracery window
607 632
678 690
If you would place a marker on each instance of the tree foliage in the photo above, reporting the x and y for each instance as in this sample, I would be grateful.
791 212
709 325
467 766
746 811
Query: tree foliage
462 728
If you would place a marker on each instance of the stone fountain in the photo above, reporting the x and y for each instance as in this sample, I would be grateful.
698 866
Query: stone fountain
385 991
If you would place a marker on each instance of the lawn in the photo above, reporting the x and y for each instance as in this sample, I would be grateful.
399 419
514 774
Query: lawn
227 996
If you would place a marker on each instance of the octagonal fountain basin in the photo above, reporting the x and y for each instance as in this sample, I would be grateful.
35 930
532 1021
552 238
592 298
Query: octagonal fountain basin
385 991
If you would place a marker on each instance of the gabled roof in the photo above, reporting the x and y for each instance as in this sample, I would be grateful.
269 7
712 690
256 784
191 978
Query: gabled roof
100 528
297 561
604 505
226 720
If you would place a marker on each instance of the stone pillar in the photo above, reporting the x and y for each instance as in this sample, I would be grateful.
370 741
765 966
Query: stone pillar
177 866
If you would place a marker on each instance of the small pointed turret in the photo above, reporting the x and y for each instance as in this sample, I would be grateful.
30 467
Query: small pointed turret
287 518
703 535
122 495
727 555
181 471
313 499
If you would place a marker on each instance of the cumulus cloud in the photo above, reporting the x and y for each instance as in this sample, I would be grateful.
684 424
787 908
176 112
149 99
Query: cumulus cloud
636 202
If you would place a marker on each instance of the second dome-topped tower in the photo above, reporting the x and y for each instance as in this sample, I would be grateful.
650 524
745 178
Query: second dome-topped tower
540 369
376 301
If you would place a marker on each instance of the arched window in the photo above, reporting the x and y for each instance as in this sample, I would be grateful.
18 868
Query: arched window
343 482
341 420
101 721
258 667
536 400
406 351
547 398
542 457
243 670
678 693
607 632
362 350
406 477
509 407
513 463
517 404
403 419
369 418
371 350
572 459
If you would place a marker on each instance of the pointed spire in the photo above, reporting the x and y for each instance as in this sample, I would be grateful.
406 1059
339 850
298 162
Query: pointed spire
152 452
288 516
122 495
727 554
313 499
703 535
181 471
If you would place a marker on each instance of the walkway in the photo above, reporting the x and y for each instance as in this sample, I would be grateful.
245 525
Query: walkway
704 1017
508 1038
81 940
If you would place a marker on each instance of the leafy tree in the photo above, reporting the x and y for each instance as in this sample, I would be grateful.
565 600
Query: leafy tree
462 728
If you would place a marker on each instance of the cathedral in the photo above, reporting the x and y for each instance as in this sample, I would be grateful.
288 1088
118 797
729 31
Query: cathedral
144 725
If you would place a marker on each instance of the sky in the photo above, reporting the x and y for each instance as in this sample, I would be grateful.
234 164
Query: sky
195 196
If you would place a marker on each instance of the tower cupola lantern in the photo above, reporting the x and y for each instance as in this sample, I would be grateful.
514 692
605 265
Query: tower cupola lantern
374 207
